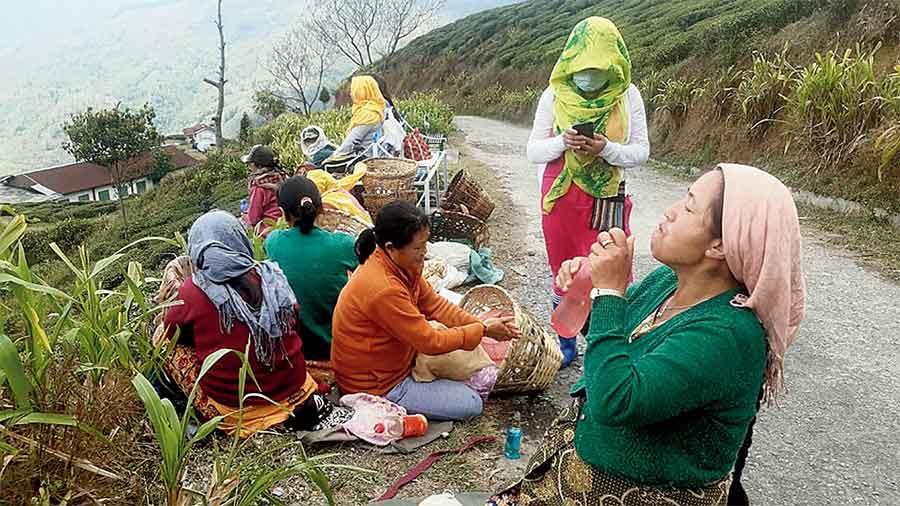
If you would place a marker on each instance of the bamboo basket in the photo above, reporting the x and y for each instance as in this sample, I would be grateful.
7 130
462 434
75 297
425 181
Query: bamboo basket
388 180
532 361
458 227
465 192
334 220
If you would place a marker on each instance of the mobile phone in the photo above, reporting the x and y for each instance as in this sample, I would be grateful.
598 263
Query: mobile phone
585 129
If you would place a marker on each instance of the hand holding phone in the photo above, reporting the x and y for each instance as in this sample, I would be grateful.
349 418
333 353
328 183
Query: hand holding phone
584 129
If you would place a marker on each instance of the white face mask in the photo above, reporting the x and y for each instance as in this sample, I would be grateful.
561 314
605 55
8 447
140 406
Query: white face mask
590 80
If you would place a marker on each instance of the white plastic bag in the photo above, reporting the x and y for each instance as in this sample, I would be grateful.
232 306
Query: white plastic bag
453 253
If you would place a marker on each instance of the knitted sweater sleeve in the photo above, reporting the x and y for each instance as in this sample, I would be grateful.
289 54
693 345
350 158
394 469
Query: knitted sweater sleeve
698 363
392 310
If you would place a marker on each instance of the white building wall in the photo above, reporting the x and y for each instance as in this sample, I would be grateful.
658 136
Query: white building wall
93 195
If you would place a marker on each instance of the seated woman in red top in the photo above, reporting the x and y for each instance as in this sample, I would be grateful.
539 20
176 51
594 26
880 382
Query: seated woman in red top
228 300
265 176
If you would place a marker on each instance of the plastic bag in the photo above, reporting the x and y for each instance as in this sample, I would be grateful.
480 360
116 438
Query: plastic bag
483 381
371 410
453 253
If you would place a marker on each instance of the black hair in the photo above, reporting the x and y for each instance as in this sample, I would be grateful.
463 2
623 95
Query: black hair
382 86
299 197
717 209
397 223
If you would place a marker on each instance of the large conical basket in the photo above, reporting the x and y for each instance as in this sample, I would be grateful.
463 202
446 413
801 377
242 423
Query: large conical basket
532 361
465 192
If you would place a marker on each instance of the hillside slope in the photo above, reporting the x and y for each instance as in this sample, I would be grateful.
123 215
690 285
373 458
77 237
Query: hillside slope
517 45
808 89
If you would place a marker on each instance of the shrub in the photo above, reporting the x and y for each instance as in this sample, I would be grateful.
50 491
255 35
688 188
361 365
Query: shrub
650 87
421 110
836 101
427 112
888 143
763 91
68 234
676 97
721 92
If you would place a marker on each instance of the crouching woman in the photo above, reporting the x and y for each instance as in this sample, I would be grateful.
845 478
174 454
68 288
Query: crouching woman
674 367
381 322
231 300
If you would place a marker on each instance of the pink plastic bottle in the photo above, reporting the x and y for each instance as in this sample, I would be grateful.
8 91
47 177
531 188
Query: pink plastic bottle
573 312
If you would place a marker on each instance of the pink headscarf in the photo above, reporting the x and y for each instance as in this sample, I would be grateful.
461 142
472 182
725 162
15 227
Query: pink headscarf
761 237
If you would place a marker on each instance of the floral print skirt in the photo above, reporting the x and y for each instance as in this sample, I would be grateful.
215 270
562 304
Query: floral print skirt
556 476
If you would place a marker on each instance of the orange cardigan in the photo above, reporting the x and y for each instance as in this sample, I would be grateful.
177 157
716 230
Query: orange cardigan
381 323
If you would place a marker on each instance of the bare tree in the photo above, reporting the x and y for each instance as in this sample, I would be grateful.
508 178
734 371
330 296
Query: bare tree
403 18
220 83
365 31
297 65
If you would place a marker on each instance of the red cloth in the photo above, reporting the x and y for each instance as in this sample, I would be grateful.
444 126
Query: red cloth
264 198
198 320
567 229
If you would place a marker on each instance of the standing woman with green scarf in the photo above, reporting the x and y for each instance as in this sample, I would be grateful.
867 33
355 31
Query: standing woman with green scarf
582 178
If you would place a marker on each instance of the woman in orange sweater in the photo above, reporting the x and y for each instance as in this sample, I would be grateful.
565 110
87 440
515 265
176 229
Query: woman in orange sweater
381 321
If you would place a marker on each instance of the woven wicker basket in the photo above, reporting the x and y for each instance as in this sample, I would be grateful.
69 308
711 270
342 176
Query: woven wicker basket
533 360
334 220
388 180
458 227
465 191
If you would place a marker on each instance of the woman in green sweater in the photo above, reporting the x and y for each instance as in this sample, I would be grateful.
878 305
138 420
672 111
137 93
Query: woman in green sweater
316 262
674 367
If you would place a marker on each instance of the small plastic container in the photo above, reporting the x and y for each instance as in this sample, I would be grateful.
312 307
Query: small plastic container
513 439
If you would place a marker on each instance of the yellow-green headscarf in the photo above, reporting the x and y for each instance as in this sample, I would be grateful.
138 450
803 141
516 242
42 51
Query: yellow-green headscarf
368 103
595 43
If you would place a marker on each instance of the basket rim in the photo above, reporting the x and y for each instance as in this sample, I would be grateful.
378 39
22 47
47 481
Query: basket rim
454 214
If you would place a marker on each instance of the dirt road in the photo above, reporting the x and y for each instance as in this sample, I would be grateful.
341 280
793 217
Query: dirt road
836 438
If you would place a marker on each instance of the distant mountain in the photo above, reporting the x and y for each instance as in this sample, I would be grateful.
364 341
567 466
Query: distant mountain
58 57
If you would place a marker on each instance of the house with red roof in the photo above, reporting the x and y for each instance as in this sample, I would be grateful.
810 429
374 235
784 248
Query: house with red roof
88 182
202 136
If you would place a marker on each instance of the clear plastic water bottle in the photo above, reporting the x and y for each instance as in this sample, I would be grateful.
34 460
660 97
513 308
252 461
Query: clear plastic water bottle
573 311
513 440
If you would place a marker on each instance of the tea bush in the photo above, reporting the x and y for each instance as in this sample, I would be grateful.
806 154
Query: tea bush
425 111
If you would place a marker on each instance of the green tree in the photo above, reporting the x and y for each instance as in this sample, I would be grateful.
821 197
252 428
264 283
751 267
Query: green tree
269 105
244 135
111 137
325 95
162 165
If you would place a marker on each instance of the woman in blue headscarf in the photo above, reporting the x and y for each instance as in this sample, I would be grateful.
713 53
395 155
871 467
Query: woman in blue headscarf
231 300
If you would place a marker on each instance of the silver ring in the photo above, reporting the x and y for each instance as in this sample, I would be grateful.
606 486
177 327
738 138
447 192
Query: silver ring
606 243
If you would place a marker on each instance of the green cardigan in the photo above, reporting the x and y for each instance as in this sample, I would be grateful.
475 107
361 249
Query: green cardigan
670 409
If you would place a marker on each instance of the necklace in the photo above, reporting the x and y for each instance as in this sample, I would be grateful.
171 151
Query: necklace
650 322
